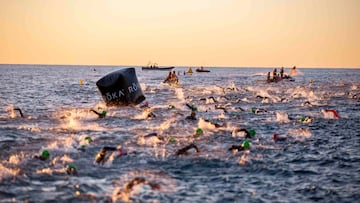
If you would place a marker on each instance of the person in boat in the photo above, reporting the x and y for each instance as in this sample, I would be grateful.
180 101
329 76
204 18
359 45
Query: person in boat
274 74
293 71
174 75
168 78
268 79
282 72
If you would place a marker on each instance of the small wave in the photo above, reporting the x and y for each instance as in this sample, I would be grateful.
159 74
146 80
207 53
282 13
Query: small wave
6 173
282 117
300 134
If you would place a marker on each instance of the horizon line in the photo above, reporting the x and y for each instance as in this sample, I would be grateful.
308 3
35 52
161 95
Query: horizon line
182 66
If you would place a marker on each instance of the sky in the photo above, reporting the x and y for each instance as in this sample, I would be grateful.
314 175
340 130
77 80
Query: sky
229 33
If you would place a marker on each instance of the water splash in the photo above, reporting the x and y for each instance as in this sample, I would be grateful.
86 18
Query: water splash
282 117
6 173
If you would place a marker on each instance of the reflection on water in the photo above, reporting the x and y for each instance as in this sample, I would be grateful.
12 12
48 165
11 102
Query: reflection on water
311 160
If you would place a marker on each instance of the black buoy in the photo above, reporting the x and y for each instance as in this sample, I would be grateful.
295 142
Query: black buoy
121 88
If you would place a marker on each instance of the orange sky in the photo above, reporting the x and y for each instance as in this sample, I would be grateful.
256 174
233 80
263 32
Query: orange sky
238 33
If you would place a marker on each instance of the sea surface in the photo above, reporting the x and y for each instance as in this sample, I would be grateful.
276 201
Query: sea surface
317 161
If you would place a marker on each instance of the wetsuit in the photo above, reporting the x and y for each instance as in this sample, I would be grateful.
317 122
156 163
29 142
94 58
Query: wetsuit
183 151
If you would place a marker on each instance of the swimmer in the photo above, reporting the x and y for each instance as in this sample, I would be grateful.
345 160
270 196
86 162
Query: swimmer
332 112
192 116
101 115
183 151
44 155
171 106
21 114
198 132
212 98
306 119
307 103
153 137
120 151
276 137
192 107
145 105
151 115
261 97
245 145
248 134
102 157
257 111
71 170
221 107
140 180
216 124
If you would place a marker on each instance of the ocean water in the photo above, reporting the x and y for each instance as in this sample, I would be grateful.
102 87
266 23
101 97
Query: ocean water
318 161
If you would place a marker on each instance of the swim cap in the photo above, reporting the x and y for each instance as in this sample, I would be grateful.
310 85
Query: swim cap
302 119
103 113
252 110
88 138
252 132
71 167
193 107
199 131
171 106
45 154
246 144
171 139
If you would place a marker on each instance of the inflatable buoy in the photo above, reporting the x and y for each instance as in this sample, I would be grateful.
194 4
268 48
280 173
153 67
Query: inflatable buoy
121 88
81 82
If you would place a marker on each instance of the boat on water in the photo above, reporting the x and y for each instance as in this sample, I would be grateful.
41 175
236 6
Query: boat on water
172 79
156 67
201 69
278 79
